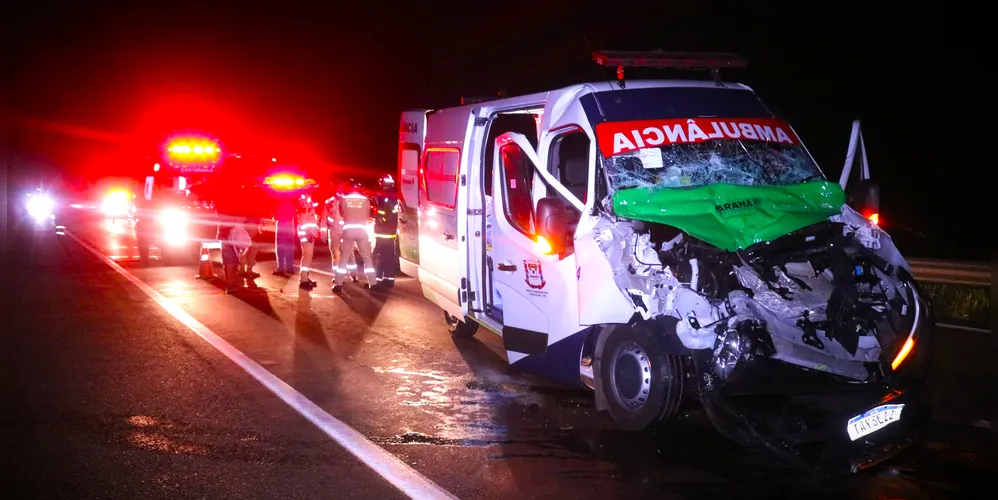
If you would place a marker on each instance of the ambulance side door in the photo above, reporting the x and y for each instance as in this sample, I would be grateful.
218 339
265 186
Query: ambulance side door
408 227
440 259
536 288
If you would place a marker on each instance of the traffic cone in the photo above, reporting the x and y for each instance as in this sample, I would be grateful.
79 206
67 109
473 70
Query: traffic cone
205 269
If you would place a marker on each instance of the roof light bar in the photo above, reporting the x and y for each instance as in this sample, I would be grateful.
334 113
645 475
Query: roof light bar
681 60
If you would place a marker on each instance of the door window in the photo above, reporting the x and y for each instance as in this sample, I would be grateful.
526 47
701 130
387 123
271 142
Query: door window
518 176
521 187
409 167
569 161
440 166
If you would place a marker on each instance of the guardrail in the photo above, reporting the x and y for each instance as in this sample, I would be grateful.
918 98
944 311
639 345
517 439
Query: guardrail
947 272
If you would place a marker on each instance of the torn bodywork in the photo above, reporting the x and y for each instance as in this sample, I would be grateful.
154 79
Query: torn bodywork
824 306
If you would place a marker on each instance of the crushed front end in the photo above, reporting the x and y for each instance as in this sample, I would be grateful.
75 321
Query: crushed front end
812 343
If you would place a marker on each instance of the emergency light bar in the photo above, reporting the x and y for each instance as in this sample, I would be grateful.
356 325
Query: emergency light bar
680 60
194 146
286 181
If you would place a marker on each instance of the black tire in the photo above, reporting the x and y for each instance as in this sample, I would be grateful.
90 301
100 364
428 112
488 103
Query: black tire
641 383
458 328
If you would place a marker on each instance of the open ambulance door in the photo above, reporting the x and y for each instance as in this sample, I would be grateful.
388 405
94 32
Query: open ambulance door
533 264
412 133
441 220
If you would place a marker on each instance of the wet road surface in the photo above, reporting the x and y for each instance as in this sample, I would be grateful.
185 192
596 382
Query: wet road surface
114 398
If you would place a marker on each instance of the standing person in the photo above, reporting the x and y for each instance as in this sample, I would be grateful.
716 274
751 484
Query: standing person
248 259
385 232
308 232
356 210
285 238
332 222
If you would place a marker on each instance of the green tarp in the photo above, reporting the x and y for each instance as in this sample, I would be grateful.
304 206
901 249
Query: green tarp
733 217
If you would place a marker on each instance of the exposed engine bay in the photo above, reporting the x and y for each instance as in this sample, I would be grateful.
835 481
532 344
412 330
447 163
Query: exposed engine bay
830 297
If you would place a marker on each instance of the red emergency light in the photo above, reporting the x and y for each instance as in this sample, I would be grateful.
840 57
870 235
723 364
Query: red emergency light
194 149
656 59
288 181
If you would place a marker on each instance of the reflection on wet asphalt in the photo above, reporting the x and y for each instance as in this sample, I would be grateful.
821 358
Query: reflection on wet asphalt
554 428
470 399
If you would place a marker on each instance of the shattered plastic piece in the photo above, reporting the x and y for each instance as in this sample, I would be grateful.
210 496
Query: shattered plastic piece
812 301
733 217
695 338
868 234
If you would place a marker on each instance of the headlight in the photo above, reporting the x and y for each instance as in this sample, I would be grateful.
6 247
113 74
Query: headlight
174 226
117 204
917 323
40 207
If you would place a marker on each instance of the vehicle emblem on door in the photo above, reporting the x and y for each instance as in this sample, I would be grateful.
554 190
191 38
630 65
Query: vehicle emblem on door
534 274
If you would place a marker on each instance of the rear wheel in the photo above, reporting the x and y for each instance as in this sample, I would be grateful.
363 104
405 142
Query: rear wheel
642 384
458 328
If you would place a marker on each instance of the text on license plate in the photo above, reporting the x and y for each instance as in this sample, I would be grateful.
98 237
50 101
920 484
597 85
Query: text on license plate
873 420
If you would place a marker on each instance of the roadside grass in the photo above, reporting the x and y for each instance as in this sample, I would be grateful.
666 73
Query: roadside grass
971 304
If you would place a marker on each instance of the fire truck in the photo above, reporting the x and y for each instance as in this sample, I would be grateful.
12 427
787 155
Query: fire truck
196 186
177 208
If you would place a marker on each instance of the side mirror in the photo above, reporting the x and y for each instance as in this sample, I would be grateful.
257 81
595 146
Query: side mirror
552 223
865 197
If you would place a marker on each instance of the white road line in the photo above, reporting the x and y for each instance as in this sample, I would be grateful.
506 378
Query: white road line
387 465
964 328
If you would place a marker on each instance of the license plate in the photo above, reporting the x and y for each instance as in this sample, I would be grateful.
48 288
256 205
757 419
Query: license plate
873 420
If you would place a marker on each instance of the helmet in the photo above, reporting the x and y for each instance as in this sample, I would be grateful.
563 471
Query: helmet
305 201
354 185
387 182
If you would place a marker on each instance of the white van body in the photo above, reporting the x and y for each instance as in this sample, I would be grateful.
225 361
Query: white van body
469 232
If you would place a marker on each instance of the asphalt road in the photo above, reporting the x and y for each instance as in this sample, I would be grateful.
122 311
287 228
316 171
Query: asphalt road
113 397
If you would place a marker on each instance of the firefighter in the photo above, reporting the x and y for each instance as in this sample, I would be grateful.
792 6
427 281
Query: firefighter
332 221
285 238
385 228
355 208
308 232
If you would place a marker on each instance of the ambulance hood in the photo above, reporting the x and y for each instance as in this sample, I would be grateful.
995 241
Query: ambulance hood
733 217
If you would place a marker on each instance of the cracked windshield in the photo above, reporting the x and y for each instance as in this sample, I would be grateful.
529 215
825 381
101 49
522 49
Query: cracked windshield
724 154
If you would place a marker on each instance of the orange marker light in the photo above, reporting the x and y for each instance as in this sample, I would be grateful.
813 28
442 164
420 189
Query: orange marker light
905 350
875 219
543 245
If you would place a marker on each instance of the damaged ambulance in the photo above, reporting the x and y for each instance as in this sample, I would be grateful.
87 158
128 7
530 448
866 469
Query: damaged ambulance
668 240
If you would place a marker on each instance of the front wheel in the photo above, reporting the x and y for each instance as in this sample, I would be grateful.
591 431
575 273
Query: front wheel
642 384
458 328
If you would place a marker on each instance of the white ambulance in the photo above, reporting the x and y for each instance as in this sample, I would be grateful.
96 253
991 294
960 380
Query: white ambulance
659 240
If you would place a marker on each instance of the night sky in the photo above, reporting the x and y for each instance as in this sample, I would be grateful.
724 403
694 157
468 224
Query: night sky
325 84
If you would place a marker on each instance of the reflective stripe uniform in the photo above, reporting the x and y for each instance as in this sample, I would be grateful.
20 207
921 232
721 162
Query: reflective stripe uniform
308 231
333 222
285 236
385 230
355 209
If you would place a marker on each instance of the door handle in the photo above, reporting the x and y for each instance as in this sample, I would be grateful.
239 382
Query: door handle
506 267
